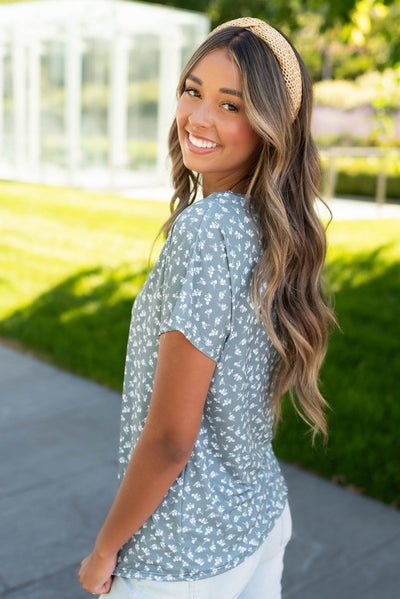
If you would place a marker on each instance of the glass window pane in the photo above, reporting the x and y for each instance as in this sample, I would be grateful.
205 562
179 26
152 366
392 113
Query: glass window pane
95 98
8 141
143 92
52 104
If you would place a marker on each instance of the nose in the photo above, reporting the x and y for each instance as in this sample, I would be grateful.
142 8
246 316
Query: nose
201 116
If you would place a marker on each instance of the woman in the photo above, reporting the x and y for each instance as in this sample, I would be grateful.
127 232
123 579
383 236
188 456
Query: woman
230 318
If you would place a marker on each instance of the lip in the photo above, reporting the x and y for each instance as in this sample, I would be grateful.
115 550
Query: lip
197 150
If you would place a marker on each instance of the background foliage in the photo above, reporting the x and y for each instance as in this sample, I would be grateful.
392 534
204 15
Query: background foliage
340 39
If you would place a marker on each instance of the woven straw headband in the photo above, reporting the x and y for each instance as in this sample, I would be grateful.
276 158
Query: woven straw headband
282 50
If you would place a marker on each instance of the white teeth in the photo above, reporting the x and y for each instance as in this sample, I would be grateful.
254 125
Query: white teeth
201 143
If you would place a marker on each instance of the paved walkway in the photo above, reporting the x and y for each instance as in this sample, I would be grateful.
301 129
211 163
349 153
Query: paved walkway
58 442
58 447
342 209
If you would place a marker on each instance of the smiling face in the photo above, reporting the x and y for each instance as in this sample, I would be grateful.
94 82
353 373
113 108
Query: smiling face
214 133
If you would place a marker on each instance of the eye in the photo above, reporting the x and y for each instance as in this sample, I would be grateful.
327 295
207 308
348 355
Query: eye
230 107
192 91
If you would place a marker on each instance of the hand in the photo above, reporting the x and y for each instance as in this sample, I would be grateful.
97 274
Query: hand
95 574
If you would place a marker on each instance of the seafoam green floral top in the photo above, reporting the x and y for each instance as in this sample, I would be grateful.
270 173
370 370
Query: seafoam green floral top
229 495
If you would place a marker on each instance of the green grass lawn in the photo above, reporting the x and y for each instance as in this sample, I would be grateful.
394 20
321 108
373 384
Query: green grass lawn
360 377
72 262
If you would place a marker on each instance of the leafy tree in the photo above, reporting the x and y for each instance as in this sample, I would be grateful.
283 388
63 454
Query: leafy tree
369 40
374 29
280 13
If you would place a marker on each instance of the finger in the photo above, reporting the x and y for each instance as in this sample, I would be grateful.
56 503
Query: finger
105 588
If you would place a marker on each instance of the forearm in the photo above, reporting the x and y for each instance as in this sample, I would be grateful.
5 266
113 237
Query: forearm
152 469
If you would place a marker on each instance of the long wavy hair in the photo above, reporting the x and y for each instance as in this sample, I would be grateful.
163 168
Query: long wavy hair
283 183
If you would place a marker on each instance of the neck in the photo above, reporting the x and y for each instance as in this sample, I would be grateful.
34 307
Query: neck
239 186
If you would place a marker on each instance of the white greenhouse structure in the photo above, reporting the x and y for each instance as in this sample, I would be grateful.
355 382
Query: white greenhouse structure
88 90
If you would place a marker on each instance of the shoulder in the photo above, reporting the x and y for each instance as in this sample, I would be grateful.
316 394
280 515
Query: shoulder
215 212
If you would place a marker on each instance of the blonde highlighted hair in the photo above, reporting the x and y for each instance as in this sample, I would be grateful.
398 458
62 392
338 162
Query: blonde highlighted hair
282 187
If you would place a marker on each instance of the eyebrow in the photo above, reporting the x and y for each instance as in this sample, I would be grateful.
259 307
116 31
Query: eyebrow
233 92
224 90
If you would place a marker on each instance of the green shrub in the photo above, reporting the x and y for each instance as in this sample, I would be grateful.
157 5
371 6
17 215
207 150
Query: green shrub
357 176
364 184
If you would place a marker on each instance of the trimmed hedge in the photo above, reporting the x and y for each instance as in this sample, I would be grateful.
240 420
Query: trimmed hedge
364 184
358 175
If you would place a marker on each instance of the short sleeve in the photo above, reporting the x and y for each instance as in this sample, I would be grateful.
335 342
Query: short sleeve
196 291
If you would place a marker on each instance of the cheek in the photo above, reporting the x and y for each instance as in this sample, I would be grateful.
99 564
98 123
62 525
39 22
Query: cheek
246 137
254 140
181 114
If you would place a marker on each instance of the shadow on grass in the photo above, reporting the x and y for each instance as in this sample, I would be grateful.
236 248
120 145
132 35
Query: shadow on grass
360 381
82 323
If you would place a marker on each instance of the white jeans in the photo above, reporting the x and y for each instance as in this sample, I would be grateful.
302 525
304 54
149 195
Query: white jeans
257 577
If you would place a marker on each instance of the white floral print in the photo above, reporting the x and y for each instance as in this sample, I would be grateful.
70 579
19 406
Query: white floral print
229 495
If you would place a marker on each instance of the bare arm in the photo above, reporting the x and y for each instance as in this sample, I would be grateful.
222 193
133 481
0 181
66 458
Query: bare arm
182 378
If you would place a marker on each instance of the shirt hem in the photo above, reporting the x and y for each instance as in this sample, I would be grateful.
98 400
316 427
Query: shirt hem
176 577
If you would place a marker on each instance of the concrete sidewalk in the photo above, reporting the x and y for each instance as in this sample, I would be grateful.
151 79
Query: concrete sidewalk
342 208
58 443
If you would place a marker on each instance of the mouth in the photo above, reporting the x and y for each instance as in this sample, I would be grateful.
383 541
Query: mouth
200 143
